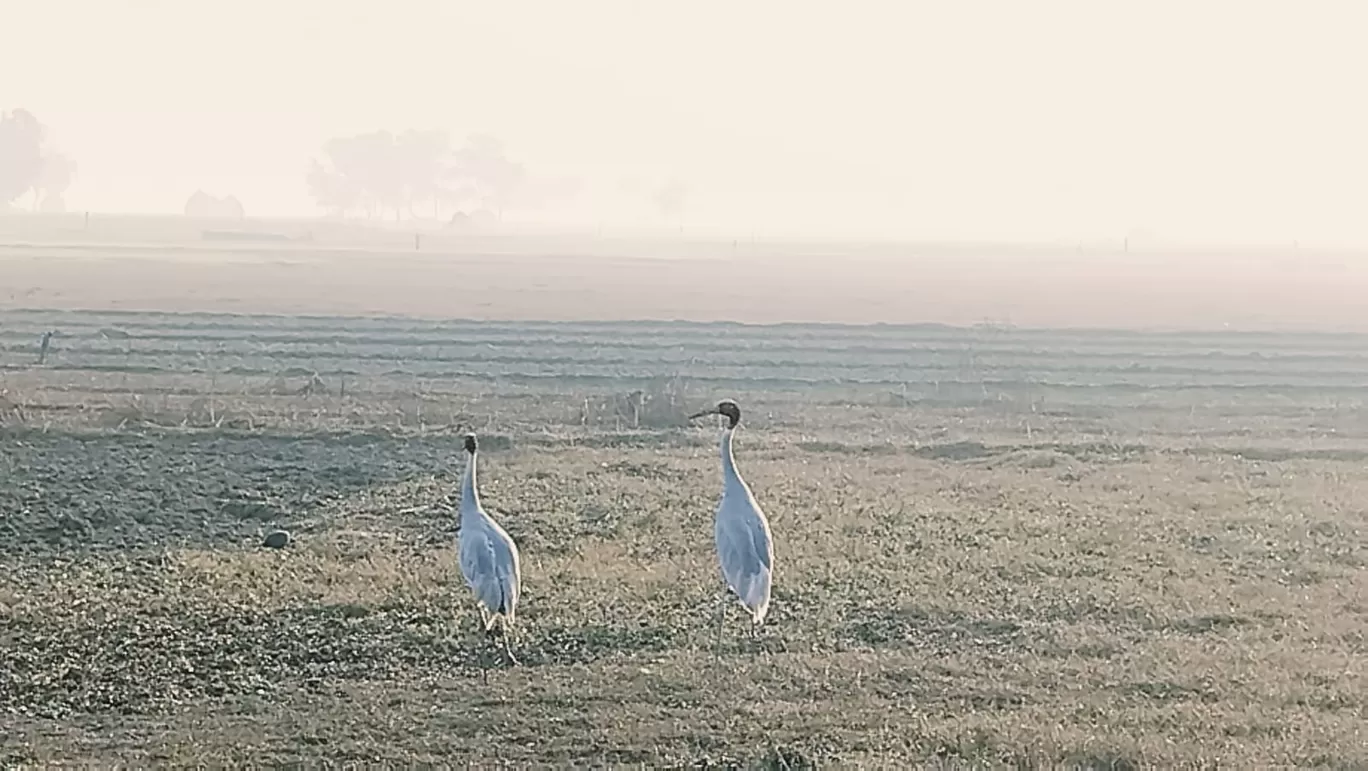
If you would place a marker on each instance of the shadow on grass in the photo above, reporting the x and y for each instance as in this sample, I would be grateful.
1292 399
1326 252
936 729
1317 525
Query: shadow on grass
135 660
934 630
125 491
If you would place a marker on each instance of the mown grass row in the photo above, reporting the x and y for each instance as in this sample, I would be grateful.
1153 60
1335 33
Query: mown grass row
277 358
530 371
665 355
357 329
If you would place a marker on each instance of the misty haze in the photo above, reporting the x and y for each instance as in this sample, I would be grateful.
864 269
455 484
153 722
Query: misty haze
1036 332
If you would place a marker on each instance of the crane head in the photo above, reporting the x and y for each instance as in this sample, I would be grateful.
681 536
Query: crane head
470 444
726 408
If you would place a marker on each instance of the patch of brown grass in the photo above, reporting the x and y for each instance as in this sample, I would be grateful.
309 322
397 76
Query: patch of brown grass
1121 586
933 611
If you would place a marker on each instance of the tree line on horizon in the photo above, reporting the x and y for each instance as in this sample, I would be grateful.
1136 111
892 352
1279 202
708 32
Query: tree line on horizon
414 174
29 166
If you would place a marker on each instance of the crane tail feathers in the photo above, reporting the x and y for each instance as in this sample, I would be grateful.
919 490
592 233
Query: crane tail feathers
757 597
501 612
758 615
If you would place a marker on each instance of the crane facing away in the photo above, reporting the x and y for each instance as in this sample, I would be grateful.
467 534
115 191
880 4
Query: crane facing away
44 346
745 548
489 559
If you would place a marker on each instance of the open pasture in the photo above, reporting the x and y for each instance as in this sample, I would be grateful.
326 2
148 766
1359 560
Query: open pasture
994 546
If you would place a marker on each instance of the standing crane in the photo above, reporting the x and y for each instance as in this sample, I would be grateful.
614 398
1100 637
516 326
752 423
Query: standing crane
745 548
489 558
44 346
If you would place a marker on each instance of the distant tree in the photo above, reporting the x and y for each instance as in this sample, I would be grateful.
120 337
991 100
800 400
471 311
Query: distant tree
27 165
362 172
338 195
497 180
204 206
369 162
380 173
21 154
53 182
423 164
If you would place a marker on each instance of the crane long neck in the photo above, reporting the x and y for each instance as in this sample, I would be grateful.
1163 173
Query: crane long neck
731 478
470 496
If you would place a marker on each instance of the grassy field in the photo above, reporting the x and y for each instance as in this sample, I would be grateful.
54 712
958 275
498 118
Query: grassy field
994 546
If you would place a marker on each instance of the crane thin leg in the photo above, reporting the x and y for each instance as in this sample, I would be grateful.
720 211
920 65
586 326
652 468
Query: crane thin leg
508 652
721 621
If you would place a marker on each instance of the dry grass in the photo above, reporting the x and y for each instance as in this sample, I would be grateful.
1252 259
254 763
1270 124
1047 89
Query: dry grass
1161 608
1019 549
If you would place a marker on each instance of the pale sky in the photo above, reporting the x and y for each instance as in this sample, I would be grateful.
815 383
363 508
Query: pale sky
1055 120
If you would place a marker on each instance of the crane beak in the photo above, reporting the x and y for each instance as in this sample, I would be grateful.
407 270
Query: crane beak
710 411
